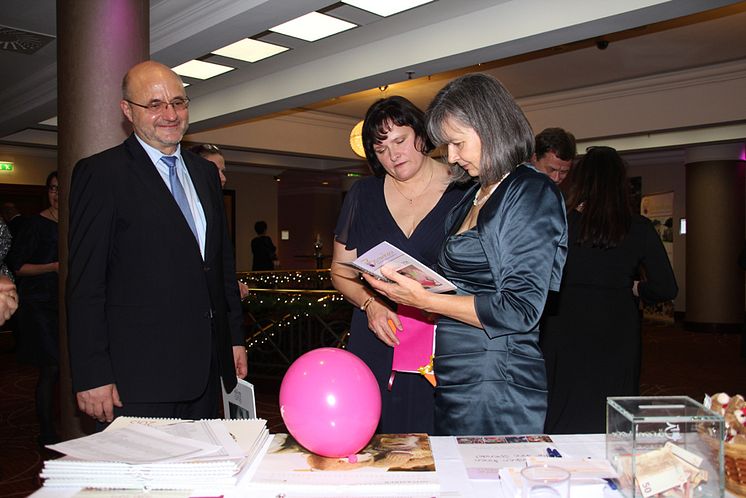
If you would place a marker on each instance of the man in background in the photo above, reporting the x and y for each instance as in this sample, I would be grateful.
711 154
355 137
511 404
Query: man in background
554 153
262 249
213 154
154 316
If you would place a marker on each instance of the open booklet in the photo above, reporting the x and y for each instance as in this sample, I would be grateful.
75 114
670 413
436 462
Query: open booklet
388 254
401 461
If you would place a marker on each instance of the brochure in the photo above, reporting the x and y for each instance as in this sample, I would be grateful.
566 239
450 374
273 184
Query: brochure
484 456
388 254
239 403
401 460
416 347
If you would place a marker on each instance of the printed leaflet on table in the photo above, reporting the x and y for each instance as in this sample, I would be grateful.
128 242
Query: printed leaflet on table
400 461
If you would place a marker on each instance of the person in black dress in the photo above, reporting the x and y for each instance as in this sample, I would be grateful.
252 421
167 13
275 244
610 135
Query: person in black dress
404 203
504 251
592 337
33 259
262 249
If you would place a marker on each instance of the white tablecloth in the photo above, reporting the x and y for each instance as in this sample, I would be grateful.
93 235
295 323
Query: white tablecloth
450 467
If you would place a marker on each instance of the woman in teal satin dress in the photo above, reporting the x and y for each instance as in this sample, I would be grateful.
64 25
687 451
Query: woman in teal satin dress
506 246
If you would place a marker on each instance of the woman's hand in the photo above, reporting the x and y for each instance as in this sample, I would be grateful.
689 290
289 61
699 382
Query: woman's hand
8 299
404 290
383 322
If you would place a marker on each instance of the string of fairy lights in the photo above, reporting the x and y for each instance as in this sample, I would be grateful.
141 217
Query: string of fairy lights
277 300
288 279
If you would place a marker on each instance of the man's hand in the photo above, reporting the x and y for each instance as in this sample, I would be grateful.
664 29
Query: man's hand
99 402
239 359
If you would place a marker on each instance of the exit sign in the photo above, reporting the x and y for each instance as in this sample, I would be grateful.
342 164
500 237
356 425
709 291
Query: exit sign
6 166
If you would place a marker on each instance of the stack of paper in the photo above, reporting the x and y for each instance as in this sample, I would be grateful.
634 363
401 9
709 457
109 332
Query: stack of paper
158 454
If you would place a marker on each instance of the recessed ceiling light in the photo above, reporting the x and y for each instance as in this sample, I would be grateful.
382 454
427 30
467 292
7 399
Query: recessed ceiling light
313 26
386 8
250 50
201 70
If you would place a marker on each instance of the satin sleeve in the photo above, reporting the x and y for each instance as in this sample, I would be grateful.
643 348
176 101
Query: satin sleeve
524 235
660 282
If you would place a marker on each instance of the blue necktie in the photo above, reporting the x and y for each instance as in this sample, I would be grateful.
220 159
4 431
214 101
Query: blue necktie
177 190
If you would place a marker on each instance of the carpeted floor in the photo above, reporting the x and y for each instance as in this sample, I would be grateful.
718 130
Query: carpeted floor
675 362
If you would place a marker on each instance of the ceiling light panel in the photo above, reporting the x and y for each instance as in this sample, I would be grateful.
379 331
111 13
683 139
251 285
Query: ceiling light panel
386 8
313 26
250 50
201 70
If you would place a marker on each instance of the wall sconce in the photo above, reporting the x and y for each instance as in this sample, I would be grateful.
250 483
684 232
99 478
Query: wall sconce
356 139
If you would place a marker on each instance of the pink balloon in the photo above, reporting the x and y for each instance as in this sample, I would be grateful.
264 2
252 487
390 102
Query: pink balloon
330 402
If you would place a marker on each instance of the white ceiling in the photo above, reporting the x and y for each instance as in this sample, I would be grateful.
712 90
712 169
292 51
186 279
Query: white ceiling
535 47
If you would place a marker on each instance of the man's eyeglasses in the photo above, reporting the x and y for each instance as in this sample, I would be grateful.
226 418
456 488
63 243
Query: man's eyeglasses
158 106
53 188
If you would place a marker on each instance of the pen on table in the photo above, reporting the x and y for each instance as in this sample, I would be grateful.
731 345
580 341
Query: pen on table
611 484
553 453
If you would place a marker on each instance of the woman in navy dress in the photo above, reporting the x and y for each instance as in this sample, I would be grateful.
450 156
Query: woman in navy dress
505 250
592 337
33 258
404 203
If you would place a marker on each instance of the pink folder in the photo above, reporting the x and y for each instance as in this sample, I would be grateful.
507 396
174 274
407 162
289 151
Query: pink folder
416 343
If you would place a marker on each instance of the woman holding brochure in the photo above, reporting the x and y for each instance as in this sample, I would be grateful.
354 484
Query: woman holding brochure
506 246
404 203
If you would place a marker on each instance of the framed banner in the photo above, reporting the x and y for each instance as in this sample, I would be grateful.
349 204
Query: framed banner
658 208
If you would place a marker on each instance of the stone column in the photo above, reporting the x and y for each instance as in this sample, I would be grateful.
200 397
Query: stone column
96 43
714 238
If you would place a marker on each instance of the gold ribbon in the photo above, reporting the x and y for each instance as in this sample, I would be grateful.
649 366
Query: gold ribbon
428 372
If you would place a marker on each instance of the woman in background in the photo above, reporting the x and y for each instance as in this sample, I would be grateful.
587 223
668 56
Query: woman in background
404 203
592 339
504 251
33 259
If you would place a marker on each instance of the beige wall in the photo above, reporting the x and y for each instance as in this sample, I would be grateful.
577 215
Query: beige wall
256 199
306 214
30 167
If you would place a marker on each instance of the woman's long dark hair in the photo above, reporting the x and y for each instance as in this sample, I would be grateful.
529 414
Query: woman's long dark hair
599 190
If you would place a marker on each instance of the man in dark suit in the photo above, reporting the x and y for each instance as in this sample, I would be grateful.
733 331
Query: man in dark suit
154 317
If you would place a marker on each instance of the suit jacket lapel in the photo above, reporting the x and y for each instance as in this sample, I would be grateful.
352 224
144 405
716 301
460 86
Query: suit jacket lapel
145 170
